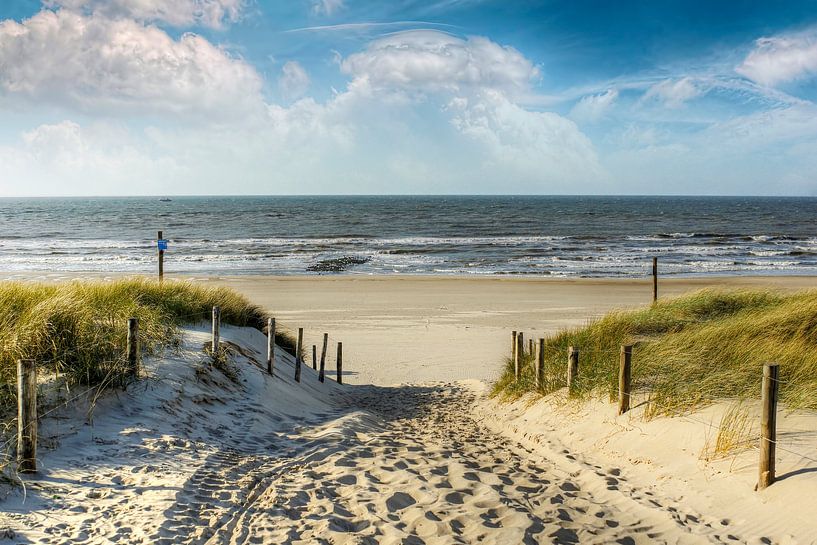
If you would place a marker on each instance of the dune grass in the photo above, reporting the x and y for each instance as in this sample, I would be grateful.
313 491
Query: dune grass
79 329
709 345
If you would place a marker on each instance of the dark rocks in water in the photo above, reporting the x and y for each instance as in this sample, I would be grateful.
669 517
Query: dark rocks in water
338 264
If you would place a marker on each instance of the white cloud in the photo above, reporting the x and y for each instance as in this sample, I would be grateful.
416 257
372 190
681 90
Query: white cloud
327 7
98 64
781 59
179 13
594 107
294 81
673 93
433 61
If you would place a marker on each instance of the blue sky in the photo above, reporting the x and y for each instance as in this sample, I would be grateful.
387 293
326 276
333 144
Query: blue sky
107 97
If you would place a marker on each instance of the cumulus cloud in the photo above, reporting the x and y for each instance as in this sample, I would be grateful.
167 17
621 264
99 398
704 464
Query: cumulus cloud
594 107
179 13
294 81
95 63
432 61
673 93
781 59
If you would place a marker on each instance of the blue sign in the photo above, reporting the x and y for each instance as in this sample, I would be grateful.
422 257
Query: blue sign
162 244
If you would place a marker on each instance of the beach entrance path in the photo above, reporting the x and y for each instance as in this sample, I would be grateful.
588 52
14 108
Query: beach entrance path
411 465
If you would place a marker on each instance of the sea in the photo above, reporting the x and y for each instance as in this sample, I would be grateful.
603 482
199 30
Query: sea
557 236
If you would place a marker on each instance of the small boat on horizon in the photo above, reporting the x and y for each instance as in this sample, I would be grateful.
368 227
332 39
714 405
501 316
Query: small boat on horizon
165 199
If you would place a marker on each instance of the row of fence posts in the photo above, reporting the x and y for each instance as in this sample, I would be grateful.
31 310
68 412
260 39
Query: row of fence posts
27 381
769 393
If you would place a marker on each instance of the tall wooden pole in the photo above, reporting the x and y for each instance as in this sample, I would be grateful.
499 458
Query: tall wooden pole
624 378
298 349
27 416
132 349
515 355
540 367
216 329
654 279
340 363
768 424
321 373
161 258
270 345
572 367
314 357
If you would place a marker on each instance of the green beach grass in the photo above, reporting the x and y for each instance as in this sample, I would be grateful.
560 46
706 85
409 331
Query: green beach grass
689 351
79 329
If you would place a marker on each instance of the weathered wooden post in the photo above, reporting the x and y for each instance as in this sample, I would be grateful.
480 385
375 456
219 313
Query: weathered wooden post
572 367
340 363
298 349
159 240
321 373
513 344
530 346
624 375
768 424
520 345
216 329
27 416
654 279
540 367
314 357
270 345
132 350
515 355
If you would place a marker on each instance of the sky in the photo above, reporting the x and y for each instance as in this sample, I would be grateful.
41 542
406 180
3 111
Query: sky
231 97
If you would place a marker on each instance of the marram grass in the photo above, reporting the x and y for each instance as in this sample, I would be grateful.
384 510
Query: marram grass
689 351
79 329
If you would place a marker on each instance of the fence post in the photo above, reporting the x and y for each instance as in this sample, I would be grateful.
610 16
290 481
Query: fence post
132 350
768 424
340 363
654 279
298 349
321 374
216 329
27 416
572 367
540 367
624 376
270 345
515 355
530 346
161 258
314 357
520 353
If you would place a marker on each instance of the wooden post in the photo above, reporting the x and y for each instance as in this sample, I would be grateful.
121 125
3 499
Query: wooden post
340 363
270 345
624 375
768 424
216 329
520 345
654 279
540 367
298 349
572 367
161 258
515 355
513 345
321 374
132 349
530 346
314 357
27 416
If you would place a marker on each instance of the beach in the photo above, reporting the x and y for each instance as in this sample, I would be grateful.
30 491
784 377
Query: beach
398 329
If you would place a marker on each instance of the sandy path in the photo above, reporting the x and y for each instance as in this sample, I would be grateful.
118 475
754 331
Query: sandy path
410 465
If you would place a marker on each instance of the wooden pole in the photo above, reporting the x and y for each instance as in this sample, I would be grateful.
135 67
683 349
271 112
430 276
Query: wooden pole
132 349
298 349
270 345
572 367
161 258
27 416
768 424
654 279
340 363
624 375
513 344
216 329
530 346
314 357
321 373
540 367
515 355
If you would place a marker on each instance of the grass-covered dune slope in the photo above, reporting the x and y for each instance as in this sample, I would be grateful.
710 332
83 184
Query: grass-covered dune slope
688 351
79 329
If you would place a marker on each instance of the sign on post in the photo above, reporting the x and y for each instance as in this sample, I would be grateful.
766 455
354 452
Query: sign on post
162 243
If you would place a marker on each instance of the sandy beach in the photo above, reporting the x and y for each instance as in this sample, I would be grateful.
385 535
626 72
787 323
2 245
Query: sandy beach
399 329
